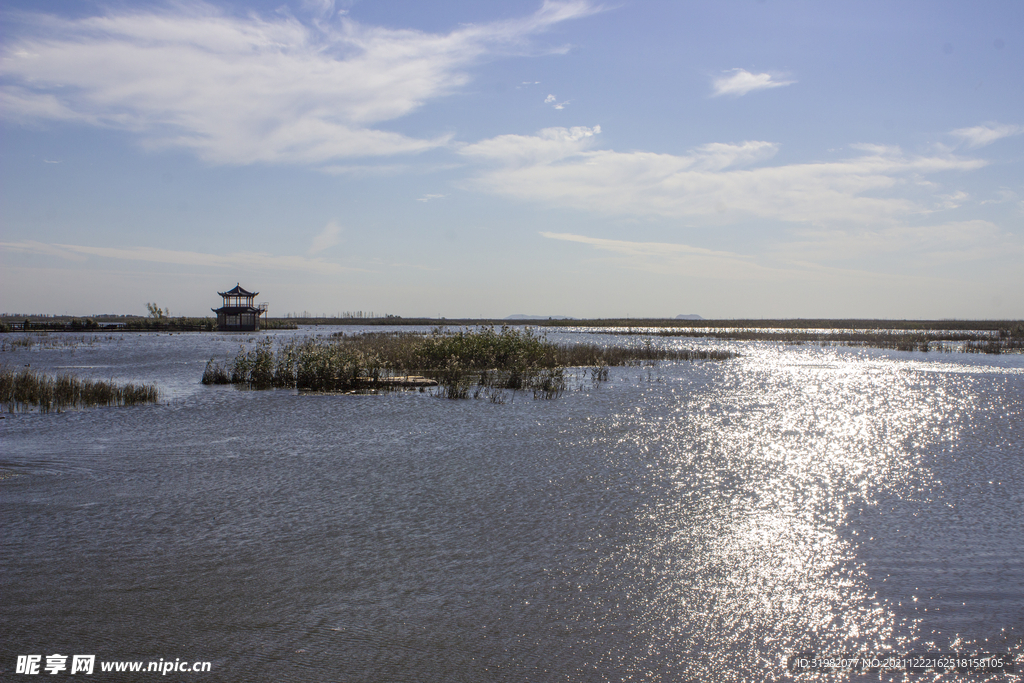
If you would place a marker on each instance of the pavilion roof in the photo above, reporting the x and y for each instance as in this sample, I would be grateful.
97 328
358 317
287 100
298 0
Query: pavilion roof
238 291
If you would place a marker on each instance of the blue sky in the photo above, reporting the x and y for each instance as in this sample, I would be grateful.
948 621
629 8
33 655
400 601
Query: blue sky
467 159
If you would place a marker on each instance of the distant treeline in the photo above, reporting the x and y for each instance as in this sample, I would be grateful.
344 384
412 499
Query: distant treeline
128 324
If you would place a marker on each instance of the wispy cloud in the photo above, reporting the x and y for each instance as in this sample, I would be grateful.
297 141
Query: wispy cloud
956 241
1002 196
740 82
725 181
321 9
366 169
240 90
986 134
821 258
675 258
428 197
706 264
241 259
326 238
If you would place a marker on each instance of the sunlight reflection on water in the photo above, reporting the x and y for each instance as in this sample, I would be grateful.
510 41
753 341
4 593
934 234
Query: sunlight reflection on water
751 559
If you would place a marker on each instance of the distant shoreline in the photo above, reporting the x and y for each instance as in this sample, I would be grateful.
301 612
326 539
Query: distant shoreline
140 323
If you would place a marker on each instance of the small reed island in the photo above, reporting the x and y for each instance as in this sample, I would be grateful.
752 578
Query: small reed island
26 389
478 363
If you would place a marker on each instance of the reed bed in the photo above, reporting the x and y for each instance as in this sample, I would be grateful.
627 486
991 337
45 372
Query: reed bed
1008 340
25 389
479 363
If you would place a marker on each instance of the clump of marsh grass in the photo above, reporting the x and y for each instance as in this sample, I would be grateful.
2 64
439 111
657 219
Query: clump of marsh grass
25 389
482 362
215 373
255 367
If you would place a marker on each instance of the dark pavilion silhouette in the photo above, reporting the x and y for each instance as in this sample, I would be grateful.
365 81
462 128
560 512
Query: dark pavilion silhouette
237 314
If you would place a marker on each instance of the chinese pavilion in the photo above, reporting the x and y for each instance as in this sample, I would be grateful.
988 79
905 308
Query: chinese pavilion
237 314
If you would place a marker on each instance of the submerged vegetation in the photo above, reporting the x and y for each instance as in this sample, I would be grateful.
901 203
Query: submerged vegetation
45 340
25 389
480 363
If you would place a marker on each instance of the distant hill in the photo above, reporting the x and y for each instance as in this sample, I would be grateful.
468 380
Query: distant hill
690 316
520 316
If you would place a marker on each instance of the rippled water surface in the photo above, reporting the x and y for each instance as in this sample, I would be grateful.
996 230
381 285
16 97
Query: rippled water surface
681 522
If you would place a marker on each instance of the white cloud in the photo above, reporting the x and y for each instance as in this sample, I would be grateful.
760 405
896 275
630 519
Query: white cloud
326 238
240 90
241 259
553 101
558 166
550 144
986 134
740 82
428 197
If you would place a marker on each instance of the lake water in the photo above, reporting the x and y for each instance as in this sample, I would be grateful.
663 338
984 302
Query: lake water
681 522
